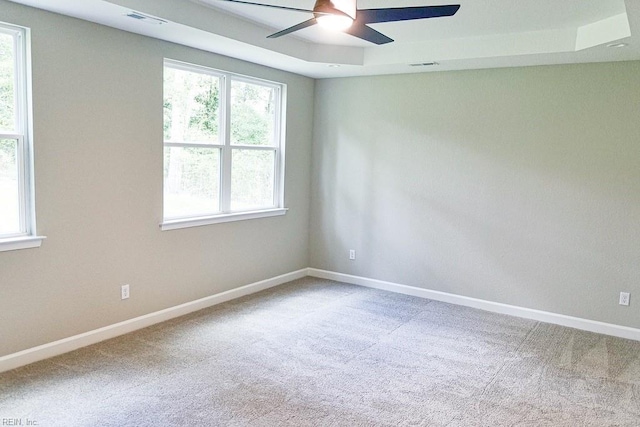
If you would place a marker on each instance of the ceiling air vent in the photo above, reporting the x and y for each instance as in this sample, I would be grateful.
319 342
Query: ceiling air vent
424 64
146 18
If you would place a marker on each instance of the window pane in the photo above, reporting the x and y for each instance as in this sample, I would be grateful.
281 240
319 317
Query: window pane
7 83
191 181
252 181
252 114
9 184
191 106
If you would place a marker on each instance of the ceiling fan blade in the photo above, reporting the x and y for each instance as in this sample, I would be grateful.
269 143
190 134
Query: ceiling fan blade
270 5
366 33
373 16
290 30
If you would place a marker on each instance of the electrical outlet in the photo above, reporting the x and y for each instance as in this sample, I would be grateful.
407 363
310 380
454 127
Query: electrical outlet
124 291
624 298
352 254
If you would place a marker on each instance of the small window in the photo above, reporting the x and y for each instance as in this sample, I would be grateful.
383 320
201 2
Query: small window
17 219
223 149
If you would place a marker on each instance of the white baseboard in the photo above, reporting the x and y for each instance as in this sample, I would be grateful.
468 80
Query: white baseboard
65 345
496 307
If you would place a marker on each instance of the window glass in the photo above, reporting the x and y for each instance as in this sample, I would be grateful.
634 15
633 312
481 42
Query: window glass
191 106
9 187
252 179
191 181
7 83
222 149
252 114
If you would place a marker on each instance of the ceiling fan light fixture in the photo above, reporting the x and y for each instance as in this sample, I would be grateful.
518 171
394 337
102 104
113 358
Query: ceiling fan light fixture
336 15
334 22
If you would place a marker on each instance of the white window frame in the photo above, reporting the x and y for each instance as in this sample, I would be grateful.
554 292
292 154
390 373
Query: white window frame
226 150
26 237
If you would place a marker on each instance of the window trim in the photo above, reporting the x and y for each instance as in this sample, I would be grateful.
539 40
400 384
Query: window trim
226 151
27 237
174 224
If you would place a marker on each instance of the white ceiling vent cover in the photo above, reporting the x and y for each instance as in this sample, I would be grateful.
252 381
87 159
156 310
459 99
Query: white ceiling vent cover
146 18
424 64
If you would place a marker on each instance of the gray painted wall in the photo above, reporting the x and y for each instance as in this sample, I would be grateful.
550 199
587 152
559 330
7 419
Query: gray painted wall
514 185
97 95
519 186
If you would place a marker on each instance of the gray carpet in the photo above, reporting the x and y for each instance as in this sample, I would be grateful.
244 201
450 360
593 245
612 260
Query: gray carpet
321 353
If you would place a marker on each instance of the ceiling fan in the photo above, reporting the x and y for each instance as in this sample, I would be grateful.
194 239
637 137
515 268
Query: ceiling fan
343 15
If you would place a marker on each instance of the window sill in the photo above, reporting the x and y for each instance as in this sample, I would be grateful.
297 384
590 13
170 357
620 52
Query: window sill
24 242
216 219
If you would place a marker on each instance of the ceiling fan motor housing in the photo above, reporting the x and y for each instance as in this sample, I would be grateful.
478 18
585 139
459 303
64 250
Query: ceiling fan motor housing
335 7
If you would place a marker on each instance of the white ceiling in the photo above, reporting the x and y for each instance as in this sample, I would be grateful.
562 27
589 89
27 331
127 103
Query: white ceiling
483 34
